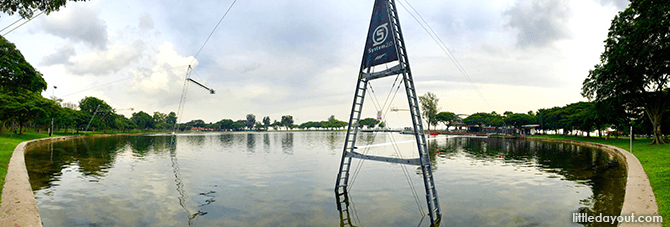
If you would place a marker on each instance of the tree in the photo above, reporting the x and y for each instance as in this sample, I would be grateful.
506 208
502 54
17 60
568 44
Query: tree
25 8
105 113
339 124
581 116
333 123
161 121
225 124
556 118
519 119
196 123
23 106
125 123
507 113
251 121
80 119
20 87
53 111
369 122
276 124
266 122
16 74
239 125
258 126
142 120
90 105
446 118
491 119
429 108
310 124
159 117
171 118
634 65
287 121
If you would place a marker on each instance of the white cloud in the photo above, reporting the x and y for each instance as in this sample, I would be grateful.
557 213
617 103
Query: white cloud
79 24
61 56
165 79
540 22
146 23
619 4
106 62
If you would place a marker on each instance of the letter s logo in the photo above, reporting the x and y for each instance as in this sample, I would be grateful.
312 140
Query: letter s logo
380 34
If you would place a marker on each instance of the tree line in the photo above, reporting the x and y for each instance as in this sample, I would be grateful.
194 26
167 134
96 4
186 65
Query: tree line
579 117
286 123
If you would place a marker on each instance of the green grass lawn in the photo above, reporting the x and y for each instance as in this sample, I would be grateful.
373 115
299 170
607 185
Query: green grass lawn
7 146
655 160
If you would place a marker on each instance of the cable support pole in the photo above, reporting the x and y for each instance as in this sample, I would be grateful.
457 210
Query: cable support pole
385 29
89 122
429 183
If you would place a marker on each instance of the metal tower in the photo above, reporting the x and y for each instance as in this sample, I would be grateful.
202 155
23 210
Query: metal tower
385 44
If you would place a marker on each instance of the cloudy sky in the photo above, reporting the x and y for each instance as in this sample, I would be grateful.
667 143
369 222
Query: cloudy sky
301 57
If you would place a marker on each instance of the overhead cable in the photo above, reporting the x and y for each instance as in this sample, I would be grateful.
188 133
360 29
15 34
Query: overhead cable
210 34
444 48
18 26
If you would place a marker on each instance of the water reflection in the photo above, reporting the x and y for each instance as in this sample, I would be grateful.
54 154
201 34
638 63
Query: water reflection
90 157
349 216
196 139
334 140
154 181
344 206
600 171
226 139
266 142
251 142
141 145
179 183
287 143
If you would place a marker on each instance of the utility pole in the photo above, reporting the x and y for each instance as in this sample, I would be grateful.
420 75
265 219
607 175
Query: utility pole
631 136
53 94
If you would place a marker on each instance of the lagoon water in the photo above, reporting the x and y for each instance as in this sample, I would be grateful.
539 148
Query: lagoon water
287 179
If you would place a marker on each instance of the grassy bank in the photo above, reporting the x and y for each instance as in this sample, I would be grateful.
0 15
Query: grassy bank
7 146
655 160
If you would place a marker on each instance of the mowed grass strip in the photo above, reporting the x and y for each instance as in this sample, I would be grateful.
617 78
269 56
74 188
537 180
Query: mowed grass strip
655 160
7 146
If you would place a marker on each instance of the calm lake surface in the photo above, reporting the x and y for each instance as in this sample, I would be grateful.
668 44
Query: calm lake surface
288 179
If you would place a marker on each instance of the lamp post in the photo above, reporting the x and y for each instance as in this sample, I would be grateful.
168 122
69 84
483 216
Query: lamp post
53 95
633 114
631 136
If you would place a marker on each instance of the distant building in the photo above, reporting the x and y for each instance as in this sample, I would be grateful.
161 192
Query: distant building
70 105
198 128
530 129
